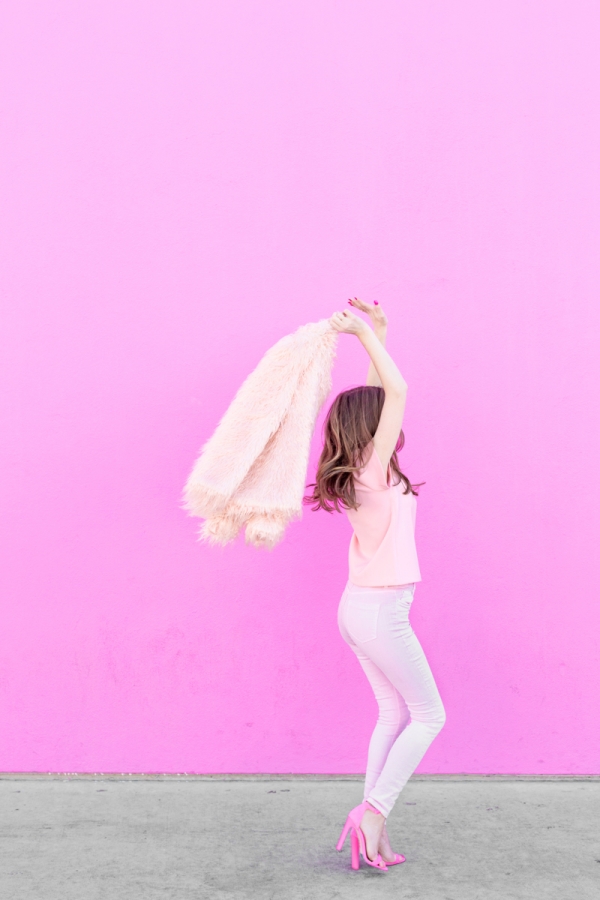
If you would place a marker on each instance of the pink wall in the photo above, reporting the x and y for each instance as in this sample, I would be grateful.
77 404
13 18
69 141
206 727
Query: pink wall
185 182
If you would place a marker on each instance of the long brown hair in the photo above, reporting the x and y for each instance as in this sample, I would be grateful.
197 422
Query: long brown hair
349 428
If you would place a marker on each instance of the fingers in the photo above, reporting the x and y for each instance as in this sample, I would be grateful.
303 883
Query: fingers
343 321
337 321
354 301
360 304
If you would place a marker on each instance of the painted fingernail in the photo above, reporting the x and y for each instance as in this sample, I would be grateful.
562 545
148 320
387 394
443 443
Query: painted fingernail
376 302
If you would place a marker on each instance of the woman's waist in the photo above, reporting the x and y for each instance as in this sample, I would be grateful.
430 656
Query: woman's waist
375 589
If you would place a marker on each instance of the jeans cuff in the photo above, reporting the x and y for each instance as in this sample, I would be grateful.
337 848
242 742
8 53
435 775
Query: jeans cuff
377 806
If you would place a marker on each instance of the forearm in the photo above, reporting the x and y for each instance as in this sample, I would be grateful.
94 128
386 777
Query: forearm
385 369
372 376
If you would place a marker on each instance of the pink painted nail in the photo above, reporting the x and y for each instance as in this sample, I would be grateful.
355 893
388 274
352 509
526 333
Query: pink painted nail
376 302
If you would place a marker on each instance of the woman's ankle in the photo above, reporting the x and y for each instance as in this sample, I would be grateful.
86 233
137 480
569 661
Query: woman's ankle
374 809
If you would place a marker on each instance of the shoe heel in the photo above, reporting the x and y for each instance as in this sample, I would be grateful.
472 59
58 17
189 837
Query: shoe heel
357 839
355 849
345 831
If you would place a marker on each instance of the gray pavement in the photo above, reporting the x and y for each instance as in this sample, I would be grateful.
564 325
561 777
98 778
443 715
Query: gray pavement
108 839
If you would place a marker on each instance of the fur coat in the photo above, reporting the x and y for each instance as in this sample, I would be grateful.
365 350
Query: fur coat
252 471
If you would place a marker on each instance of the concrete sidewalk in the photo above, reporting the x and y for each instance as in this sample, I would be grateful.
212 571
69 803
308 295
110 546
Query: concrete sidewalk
87 839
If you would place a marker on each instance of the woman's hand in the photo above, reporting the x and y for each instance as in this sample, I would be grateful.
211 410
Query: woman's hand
347 323
373 310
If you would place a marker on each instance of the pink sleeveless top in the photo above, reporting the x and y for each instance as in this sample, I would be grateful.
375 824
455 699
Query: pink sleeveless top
382 549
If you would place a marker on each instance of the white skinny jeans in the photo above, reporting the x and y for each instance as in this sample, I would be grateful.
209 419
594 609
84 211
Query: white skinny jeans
374 622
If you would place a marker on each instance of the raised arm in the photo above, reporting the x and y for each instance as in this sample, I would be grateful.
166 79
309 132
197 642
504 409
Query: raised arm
380 323
392 382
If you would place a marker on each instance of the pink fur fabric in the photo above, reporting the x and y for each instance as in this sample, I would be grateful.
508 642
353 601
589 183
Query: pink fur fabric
252 471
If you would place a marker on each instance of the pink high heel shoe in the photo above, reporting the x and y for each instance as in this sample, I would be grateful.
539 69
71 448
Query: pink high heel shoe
398 858
358 843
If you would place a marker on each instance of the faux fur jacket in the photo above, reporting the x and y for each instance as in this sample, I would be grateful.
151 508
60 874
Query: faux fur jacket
252 471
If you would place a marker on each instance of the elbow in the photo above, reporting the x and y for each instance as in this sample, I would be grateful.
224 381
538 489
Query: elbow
398 390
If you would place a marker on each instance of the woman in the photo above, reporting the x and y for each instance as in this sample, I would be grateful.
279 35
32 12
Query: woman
358 471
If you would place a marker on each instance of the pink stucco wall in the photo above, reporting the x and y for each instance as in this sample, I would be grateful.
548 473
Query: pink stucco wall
182 184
